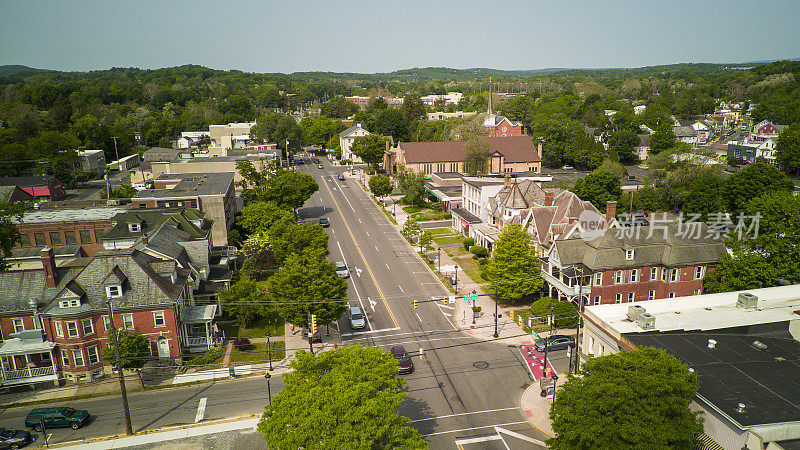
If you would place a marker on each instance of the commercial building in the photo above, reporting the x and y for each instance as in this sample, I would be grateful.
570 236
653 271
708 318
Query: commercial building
92 160
42 188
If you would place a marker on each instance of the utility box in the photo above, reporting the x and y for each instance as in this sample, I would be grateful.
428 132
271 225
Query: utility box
746 300
647 321
634 311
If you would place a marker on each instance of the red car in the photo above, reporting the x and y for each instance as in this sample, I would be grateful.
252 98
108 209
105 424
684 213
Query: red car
404 363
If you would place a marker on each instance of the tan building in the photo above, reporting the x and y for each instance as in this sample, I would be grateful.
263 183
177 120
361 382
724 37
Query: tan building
211 164
512 154
225 137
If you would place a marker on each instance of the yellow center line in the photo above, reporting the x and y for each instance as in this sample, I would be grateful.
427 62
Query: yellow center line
380 292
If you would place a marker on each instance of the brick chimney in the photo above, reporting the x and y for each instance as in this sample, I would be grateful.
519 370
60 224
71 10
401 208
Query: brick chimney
548 199
539 149
49 264
611 210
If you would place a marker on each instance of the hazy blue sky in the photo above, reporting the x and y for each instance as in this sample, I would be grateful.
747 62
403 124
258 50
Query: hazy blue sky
380 36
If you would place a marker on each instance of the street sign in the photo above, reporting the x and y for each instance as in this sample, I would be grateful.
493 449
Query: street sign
470 297
535 335
452 299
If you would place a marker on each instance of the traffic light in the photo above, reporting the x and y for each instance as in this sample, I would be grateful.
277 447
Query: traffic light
445 300
313 323
415 303
421 352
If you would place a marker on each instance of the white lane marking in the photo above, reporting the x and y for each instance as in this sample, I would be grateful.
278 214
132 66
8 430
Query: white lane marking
496 437
387 267
518 435
419 318
366 232
446 306
376 249
369 325
401 289
371 331
359 221
345 197
473 428
201 410
419 341
372 303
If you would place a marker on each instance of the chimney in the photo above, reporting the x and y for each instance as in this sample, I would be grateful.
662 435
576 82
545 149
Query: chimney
548 199
507 180
539 149
144 239
49 264
611 210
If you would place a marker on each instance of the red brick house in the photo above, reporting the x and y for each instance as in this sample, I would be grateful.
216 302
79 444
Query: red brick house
627 265
765 130
41 188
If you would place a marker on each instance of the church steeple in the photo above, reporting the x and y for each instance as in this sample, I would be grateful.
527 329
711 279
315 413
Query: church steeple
489 109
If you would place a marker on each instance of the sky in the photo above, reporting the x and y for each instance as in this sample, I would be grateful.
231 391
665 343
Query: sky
382 36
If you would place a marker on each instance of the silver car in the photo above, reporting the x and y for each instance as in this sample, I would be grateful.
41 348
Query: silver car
341 269
357 320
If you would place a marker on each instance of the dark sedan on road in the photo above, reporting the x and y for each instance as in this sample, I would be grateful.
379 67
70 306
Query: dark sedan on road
341 177
404 363
59 416
555 342
14 438
323 222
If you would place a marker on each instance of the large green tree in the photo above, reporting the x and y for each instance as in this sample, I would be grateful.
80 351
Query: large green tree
476 155
752 181
598 187
370 148
513 269
10 216
279 128
787 148
344 398
286 188
631 399
741 270
262 216
662 139
134 350
380 185
622 143
412 185
339 108
296 238
246 300
307 283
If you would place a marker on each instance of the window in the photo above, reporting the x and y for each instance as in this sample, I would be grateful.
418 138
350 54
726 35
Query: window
634 276
55 238
134 227
674 275
64 358
106 323
94 358
618 298
113 291
651 295
631 296
19 325
24 240
88 327
619 277
597 300
697 292
69 237
591 348
86 236
664 274
158 319
653 273
72 329
598 279
699 272
127 321
628 255
70 303
59 329
77 357
39 239
671 295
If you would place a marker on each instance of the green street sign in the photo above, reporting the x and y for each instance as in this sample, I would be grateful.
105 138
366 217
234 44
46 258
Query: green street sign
469 297
535 335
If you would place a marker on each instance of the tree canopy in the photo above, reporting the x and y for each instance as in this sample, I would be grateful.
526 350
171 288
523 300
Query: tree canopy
754 180
598 187
412 185
270 183
134 350
343 398
246 300
631 399
787 148
10 215
513 269
380 185
370 148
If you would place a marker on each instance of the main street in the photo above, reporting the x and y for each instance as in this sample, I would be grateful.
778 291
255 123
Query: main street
462 388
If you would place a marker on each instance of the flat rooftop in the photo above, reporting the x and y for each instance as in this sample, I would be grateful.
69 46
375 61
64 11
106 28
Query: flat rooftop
191 184
704 312
72 214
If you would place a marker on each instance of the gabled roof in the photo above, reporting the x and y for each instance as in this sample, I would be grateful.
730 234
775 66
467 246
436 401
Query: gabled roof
152 219
684 131
352 130
550 223
115 277
20 289
515 149
38 180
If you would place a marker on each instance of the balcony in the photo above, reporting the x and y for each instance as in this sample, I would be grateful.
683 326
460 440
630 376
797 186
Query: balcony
27 358
568 291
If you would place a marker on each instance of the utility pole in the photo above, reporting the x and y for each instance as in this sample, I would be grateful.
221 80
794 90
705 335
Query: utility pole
496 299
128 427
547 339
310 333
115 147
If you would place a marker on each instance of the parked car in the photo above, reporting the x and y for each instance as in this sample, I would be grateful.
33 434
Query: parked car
357 320
341 177
323 222
14 438
555 342
341 269
319 166
59 416
315 160
567 168
404 363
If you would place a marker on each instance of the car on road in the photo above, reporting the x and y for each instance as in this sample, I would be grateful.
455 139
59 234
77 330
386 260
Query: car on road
341 269
315 160
341 177
567 168
357 320
323 222
319 166
404 363
555 342
14 438
59 416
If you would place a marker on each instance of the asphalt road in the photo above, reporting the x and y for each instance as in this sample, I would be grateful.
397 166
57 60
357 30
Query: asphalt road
461 388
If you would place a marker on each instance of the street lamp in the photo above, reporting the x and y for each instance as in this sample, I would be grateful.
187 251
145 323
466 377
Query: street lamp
439 256
473 305
547 339
456 275
269 391
269 352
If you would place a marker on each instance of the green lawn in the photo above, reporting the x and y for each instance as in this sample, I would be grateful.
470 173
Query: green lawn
455 252
438 231
258 353
412 209
258 329
475 275
444 240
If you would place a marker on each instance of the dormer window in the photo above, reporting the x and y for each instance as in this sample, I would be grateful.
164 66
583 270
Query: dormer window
69 303
134 227
113 291
629 255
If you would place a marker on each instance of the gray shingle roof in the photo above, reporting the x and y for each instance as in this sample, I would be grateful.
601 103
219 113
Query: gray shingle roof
152 219
18 289
350 130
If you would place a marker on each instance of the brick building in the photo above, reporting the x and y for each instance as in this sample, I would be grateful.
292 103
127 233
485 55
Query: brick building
42 188
628 264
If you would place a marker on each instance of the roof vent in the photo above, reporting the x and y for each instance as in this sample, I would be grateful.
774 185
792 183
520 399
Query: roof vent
646 321
634 311
712 343
746 300
740 407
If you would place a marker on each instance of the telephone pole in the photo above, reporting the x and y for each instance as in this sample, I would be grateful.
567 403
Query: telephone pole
128 427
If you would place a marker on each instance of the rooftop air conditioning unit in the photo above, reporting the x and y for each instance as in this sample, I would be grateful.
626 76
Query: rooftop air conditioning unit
646 321
746 300
634 311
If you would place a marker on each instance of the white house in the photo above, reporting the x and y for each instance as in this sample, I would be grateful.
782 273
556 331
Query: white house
346 139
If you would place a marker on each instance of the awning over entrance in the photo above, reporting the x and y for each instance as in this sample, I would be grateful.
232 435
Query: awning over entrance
26 343
198 314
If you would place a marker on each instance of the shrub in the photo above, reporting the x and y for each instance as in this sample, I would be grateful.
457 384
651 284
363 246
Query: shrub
209 357
241 344
436 206
564 312
468 242
479 252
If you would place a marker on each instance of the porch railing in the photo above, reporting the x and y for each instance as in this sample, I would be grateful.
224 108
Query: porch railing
30 372
197 341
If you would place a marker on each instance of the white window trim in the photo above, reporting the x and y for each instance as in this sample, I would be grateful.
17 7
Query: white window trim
631 297
70 303
163 319
89 352
59 329
124 324
598 279
597 300
653 273
671 295
702 270
618 297
91 327
77 334
634 275
65 358
629 255
619 277
106 323
651 295
117 289
18 321
674 275
75 358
